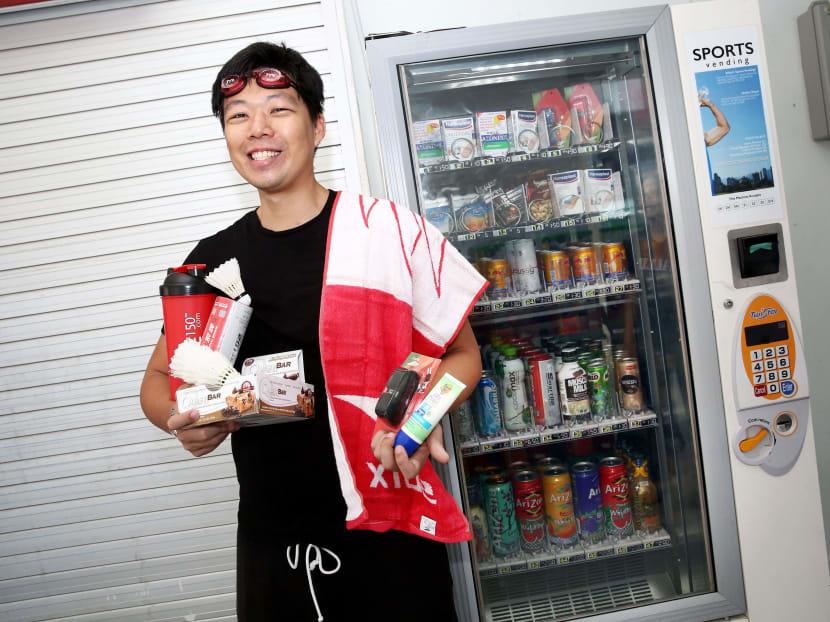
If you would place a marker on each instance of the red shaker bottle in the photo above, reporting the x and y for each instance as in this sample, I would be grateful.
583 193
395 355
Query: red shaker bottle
186 300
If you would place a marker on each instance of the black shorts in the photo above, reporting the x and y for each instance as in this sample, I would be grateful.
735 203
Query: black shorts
352 575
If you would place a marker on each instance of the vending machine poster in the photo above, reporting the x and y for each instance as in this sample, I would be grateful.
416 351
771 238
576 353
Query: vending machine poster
726 66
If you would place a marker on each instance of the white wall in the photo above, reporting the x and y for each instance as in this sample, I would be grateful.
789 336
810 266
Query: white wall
806 164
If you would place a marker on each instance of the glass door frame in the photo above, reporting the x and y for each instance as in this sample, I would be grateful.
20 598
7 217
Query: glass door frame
386 56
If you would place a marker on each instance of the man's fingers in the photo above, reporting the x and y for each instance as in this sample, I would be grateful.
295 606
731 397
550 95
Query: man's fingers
179 420
435 442
386 451
411 466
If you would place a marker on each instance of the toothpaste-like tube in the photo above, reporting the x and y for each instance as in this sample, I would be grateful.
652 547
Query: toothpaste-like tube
423 420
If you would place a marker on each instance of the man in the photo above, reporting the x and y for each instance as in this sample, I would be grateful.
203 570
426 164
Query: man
334 523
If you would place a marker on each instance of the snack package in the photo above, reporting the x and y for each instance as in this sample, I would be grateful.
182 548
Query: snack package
425 367
554 119
598 190
272 389
510 207
567 188
439 213
493 133
429 142
471 213
459 138
586 112
524 131
540 208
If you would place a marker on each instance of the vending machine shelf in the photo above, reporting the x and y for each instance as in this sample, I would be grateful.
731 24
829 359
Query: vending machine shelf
547 436
555 297
544 154
556 224
527 562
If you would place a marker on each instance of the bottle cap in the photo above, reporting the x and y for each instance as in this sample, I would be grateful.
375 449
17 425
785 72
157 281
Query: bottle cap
407 442
187 280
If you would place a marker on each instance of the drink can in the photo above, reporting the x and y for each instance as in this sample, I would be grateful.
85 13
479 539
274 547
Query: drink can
614 262
584 265
473 486
524 271
598 389
559 509
588 502
599 258
545 391
481 535
486 472
463 422
518 465
497 271
530 510
547 462
557 269
616 502
489 410
501 516
632 394
516 410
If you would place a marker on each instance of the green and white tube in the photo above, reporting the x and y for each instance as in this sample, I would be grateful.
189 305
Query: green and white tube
429 412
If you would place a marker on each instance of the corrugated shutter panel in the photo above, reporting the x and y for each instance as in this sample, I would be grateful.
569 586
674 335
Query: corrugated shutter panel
111 167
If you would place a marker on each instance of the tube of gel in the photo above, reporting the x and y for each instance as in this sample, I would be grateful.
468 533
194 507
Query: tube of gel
435 405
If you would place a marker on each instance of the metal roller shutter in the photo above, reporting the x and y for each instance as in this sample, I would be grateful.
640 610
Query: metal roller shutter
111 167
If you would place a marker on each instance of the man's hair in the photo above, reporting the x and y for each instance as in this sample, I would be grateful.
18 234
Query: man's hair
307 81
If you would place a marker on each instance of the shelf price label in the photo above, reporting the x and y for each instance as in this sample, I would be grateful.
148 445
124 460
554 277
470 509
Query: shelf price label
483 307
551 437
632 287
573 295
470 450
495 446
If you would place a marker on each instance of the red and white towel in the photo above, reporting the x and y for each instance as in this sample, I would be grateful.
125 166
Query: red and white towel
392 285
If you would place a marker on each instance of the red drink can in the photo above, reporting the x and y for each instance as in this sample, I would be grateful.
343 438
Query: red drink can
583 262
616 501
530 509
545 390
556 269
615 264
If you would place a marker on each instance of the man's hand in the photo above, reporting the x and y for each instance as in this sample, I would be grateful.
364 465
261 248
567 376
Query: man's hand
204 439
395 459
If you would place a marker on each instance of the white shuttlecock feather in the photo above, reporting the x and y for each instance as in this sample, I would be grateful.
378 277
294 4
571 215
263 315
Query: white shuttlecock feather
228 279
195 363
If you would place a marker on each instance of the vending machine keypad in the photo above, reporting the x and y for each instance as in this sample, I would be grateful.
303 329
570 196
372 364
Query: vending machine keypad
768 349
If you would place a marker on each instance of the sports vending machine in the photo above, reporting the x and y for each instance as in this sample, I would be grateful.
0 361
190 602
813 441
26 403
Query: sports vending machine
643 412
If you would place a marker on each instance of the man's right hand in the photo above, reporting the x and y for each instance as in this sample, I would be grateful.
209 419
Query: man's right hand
202 440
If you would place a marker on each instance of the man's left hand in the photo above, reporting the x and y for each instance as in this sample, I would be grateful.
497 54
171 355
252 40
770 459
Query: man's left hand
395 459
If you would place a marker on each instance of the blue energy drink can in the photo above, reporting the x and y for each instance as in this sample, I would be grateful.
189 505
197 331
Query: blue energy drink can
588 502
501 516
489 408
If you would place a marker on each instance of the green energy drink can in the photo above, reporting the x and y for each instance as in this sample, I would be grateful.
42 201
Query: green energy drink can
598 389
501 516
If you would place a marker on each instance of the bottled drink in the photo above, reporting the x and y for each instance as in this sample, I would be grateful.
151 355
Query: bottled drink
515 407
644 497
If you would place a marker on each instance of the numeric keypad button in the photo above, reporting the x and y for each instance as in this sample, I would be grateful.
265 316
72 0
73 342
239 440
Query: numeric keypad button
772 388
756 355
784 361
772 376
784 374
782 350
770 364
769 353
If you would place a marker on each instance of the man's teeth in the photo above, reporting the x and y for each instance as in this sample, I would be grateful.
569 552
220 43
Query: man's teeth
264 155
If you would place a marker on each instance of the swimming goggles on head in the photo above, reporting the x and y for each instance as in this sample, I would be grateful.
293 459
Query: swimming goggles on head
268 78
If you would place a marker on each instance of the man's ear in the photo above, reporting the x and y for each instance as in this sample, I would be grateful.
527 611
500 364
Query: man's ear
319 130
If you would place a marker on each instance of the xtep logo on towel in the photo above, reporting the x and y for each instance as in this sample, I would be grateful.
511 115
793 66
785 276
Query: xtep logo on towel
378 479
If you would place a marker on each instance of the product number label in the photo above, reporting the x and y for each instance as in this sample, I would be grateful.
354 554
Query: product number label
607 429
497 233
619 289
470 450
569 223
635 547
488 572
505 570
465 237
487 447
559 298
498 306
556 436
589 293
532 228
622 549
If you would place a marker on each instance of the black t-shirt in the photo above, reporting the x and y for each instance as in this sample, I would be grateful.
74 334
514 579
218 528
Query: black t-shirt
287 474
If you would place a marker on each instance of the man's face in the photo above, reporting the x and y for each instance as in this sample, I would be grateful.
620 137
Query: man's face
271 137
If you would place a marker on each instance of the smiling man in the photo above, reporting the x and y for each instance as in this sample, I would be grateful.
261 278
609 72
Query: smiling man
334 522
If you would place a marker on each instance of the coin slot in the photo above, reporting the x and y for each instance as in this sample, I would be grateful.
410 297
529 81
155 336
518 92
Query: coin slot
786 423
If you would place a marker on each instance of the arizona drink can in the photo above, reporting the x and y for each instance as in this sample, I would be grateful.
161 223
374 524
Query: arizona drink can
489 410
530 510
616 502
501 516
559 509
588 502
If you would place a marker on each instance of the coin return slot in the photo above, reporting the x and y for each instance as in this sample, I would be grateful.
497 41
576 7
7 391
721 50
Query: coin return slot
784 424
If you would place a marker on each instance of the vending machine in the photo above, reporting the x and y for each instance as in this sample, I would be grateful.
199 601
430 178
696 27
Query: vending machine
639 446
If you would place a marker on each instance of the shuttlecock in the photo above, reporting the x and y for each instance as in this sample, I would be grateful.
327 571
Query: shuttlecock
195 363
228 279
